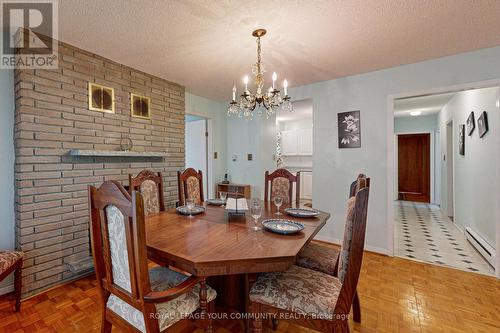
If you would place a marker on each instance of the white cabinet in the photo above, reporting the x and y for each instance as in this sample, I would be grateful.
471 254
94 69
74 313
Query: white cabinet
305 140
306 185
288 143
297 142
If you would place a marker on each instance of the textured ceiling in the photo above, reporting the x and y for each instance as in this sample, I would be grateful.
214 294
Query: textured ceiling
206 45
428 105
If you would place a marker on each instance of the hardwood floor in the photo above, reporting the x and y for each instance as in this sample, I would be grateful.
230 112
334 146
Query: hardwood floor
397 295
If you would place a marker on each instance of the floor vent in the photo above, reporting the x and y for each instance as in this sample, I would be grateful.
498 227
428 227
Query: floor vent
486 250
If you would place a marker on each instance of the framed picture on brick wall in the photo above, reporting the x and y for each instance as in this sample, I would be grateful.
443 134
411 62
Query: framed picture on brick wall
140 106
101 98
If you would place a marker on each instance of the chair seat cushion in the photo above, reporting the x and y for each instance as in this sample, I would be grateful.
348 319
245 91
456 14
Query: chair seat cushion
319 258
8 259
168 313
299 290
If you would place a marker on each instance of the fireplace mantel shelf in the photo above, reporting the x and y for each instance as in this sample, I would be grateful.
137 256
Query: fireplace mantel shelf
115 153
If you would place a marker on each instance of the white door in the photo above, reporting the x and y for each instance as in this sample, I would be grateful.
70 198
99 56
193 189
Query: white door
196 148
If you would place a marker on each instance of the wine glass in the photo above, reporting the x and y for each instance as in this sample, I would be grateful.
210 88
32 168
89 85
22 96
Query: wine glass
223 197
256 211
190 206
278 201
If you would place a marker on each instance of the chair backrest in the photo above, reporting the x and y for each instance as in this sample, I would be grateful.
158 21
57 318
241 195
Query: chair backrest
119 244
354 184
190 185
351 254
280 183
150 185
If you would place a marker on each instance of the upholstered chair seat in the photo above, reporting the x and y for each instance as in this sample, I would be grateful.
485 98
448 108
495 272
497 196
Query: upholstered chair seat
168 313
9 259
12 261
319 258
299 290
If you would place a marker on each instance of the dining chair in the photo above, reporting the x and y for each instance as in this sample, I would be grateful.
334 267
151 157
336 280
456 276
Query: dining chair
280 183
325 259
134 298
310 298
150 185
12 261
190 185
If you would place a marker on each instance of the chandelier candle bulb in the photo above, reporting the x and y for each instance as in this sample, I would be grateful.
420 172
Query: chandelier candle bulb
245 81
285 86
274 78
234 93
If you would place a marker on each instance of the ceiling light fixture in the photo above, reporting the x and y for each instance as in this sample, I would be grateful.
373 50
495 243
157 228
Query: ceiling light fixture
415 113
270 99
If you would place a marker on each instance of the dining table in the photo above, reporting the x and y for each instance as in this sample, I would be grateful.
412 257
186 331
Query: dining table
225 248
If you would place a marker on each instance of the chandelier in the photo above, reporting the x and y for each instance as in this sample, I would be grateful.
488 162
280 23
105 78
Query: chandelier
270 99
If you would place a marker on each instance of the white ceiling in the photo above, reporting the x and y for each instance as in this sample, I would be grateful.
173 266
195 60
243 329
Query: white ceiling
207 46
428 105
302 109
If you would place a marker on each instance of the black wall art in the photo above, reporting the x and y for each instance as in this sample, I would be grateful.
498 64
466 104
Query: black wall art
482 124
471 124
461 140
349 127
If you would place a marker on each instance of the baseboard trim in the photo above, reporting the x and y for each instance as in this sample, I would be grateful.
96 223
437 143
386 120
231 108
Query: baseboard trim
7 289
337 241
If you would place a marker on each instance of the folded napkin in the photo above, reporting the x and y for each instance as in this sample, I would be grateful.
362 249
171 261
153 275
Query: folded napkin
232 204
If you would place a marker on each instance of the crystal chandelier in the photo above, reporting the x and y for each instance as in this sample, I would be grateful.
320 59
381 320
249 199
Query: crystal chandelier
271 99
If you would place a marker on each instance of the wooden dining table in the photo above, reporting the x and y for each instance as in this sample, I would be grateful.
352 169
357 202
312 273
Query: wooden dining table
225 248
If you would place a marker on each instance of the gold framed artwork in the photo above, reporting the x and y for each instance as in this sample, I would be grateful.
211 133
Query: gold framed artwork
140 106
101 98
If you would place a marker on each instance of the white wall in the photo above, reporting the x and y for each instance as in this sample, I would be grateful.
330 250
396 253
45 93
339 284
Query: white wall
216 113
6 167
196 149
475 195
256 137
416 124
422 124
335 168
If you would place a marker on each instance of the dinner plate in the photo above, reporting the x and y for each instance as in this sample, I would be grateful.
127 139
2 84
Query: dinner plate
215 202
302 212
183 210
281 226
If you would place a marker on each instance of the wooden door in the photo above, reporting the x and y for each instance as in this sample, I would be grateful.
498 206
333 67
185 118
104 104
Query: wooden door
414 167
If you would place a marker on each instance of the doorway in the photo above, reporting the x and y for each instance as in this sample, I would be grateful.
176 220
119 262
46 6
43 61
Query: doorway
449 169
414 167
443 206
196 147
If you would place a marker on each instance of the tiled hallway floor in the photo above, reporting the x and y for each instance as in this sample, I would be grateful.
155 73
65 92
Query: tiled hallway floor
423 233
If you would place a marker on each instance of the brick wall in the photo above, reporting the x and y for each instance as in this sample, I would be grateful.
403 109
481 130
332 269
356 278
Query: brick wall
51 118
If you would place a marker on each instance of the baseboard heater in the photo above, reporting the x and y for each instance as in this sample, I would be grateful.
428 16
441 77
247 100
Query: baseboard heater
486 250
